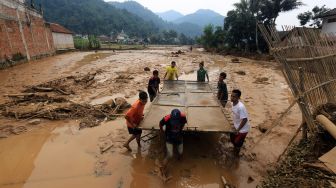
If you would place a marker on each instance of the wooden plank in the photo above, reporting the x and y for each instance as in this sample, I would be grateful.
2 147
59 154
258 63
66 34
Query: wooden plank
204 113
329 159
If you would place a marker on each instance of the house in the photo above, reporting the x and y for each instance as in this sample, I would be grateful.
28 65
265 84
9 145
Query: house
295 36
329 21
23 32
122 37
105 39
63 38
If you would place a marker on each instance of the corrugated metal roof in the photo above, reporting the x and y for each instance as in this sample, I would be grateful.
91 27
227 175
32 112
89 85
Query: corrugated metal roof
56 28
329 13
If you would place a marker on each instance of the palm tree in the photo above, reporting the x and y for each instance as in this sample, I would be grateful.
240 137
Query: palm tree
270 9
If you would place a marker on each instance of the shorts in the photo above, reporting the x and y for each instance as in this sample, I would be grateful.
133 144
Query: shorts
152 94
152 97
170 149
134 131
238 139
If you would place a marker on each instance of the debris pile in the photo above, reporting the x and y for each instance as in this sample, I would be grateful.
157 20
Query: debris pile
58 108
301 166
299 169
65 86
235 60
177 53
50 101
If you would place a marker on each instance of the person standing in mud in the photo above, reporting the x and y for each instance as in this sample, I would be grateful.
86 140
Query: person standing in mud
240 121
171 72
153 85
202 73
174 123
222 94
133 118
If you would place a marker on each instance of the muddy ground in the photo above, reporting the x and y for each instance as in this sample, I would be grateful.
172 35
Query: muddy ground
55 153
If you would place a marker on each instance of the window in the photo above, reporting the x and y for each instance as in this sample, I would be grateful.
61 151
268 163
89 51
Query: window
331 20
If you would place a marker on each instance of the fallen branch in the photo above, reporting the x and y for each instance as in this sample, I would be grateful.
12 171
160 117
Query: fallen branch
42 88
19 95
63 92
318 166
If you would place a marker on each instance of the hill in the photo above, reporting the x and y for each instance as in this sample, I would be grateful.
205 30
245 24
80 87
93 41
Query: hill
170 15
95 17
202 18
188 29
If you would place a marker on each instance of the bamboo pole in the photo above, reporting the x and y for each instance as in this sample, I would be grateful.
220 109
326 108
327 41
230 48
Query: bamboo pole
327 125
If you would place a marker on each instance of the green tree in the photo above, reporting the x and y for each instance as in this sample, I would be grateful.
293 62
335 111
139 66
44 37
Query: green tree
240 26
313 17
270 9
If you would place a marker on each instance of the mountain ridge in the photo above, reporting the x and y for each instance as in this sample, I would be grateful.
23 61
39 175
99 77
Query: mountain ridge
170 15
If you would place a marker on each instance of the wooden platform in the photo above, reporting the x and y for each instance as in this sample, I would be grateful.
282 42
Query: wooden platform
196 100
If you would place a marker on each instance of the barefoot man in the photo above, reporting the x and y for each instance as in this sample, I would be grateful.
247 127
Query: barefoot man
133 118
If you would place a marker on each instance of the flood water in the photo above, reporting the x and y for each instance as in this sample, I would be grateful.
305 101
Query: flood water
57 154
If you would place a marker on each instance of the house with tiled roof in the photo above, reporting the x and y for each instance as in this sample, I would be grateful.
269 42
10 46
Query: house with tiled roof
63 38
329 21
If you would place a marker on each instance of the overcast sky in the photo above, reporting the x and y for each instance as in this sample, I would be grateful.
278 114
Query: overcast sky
223 6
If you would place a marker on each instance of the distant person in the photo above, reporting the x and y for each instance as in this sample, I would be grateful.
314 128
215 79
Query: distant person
171 72
191 48
153 85
240 121
222 94
201 73
133 118
174 123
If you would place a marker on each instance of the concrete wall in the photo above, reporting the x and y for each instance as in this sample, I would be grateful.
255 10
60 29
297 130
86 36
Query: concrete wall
63 41
329 27
23 30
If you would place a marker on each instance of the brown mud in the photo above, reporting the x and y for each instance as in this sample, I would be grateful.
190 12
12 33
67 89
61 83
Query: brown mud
58 154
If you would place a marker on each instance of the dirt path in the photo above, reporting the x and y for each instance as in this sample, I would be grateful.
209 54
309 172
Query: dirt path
57 154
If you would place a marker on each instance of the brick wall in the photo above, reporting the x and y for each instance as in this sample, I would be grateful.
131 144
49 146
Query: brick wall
23 30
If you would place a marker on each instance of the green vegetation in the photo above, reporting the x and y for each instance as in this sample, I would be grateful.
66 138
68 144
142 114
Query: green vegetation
81 44
170 37
111 46
95 17
18 56
92 43
313 17
240 30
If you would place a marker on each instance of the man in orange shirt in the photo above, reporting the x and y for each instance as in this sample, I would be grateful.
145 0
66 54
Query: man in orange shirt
133 118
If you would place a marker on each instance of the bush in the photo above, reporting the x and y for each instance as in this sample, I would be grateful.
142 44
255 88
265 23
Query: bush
87 44
81 44
17 56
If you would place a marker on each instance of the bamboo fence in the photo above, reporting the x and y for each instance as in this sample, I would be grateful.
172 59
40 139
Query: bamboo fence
308 60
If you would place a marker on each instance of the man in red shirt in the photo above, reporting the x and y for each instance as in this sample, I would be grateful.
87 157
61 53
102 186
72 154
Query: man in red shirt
133 118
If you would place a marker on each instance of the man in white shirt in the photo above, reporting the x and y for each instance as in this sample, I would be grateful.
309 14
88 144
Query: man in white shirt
240 121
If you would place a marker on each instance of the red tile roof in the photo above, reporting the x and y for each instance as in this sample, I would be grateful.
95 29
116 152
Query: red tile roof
56 28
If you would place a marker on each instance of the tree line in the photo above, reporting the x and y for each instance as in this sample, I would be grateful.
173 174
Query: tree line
240 30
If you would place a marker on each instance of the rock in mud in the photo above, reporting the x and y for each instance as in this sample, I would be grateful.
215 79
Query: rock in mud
146 69
243 73
250 179
119 101
34 122
110 103
263 127
235 60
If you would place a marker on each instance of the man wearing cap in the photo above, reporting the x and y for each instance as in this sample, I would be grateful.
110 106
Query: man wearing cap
174 123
